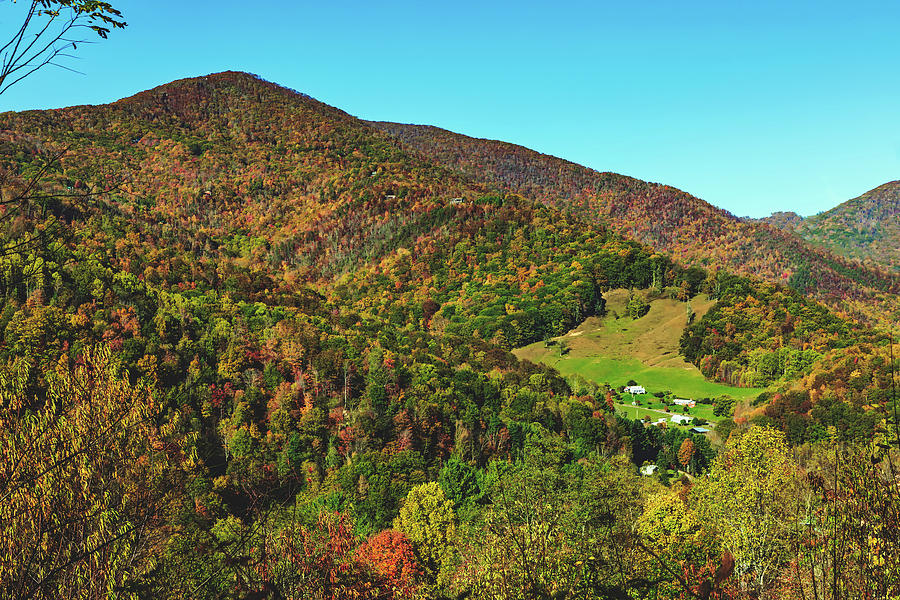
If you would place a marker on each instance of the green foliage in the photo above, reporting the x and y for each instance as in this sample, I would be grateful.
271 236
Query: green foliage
864 228
553 529
677 223
428 520
459 482
723 406
311 330
637 306
747 498
733 341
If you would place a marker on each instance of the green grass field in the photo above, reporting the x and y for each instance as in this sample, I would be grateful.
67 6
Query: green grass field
639 412
649 403
617 349
682 382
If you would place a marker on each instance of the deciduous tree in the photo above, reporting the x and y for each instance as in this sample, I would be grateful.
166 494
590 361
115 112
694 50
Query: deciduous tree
748 497
84 481
428 520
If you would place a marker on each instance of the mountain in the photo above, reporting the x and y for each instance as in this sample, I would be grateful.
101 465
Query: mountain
253 347
670 220
783 219
866 228
230 184
213 155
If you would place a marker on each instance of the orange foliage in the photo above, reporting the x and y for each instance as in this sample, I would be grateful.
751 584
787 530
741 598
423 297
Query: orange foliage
390 554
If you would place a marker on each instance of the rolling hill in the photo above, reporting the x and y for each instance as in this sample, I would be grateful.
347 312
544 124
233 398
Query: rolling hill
670 220
866 228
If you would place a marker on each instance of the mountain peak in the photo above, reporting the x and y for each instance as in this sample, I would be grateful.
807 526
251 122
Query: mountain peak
234 80
217 93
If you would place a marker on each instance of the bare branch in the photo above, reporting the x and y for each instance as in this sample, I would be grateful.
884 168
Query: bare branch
44 35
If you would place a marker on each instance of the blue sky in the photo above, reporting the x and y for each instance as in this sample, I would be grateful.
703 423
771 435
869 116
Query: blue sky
754 107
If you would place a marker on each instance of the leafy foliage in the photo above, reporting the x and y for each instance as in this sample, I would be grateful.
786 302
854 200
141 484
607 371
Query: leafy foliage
314 328
864 228
747 499
663 217
85 477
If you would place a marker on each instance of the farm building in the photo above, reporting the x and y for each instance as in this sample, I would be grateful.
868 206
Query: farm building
635 389
683 402
681 419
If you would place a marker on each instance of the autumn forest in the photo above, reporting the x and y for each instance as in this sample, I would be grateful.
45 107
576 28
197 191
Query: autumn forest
254 347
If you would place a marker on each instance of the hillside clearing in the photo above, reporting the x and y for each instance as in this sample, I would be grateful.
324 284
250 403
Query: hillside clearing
616 349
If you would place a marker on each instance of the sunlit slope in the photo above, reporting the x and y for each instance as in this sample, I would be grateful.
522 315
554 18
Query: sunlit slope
866 228
670 220
615 349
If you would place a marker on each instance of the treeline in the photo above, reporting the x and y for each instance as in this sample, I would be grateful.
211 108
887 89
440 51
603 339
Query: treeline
509 272
758 334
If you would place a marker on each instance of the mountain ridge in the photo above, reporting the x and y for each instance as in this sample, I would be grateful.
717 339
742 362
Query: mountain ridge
864 228
270 117
664 217
254 189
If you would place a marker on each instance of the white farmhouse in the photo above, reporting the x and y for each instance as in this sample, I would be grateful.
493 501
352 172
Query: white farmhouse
635 389
681 419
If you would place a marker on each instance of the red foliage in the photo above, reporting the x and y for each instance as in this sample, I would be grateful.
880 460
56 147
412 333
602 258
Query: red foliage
218 394
347 436
390 554
322 560
336 416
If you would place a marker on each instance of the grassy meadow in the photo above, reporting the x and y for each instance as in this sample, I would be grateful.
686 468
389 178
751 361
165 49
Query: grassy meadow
616 349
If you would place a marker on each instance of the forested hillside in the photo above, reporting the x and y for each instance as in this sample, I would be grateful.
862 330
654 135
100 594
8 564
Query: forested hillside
866 228
251 347
687 228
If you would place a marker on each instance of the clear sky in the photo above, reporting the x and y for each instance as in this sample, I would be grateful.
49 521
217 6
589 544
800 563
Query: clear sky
753 106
